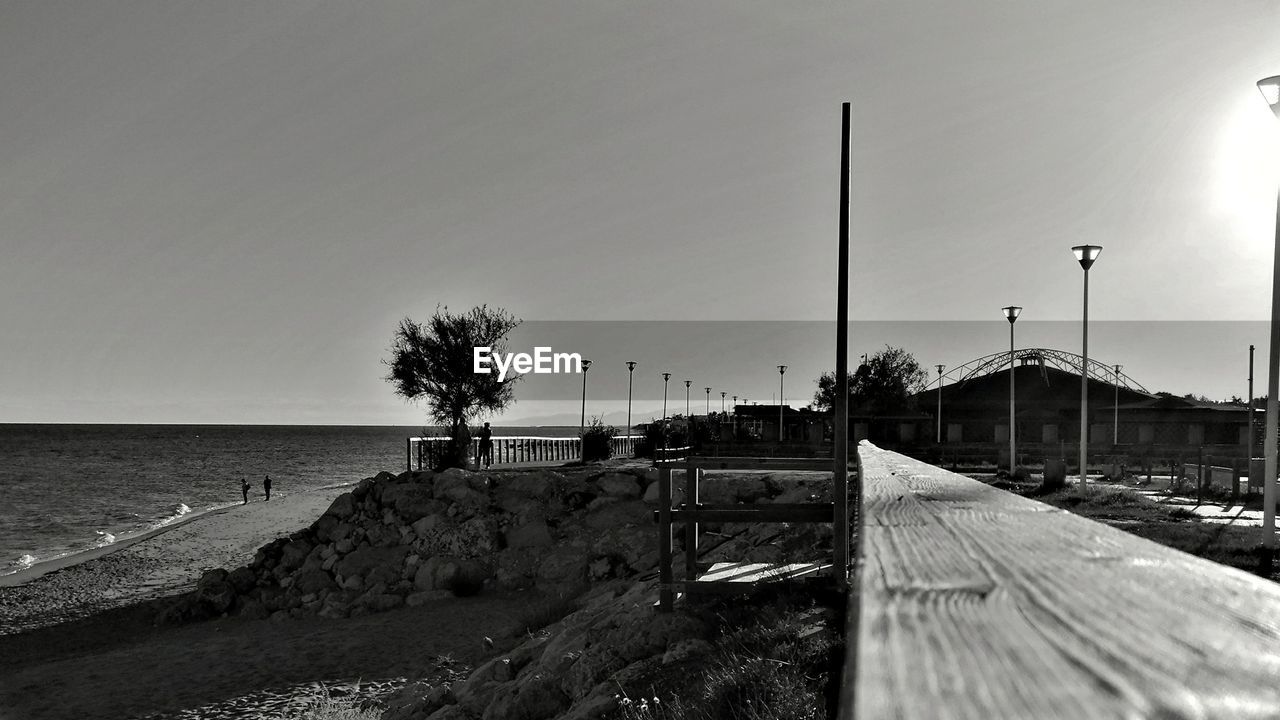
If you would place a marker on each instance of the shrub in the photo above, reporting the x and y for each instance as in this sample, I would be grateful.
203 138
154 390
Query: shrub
597 441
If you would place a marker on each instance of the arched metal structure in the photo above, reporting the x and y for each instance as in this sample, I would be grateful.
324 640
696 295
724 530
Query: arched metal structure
1060 359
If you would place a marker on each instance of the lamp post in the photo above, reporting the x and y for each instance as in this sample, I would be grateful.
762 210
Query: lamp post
1115 407
1249 482
687 383
1011 314
782 369
1086 255
631 371
722 394
1270 88
708 402
582 424
665 377
940 368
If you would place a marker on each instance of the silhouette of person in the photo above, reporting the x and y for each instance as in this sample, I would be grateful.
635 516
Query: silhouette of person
266 486
486 446
244 489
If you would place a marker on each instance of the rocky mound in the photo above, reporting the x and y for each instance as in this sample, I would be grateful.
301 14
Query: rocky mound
409 538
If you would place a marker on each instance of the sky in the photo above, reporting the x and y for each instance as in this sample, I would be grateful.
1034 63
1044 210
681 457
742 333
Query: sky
218 212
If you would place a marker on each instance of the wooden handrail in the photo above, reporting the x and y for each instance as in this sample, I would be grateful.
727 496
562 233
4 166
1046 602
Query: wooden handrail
974 602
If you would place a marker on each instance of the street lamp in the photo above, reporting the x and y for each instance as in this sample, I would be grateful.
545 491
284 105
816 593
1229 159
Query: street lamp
940 368
782 369
708 402
1011 314
665 377
687 416
1086 255
1115 422
582 424
722 395
1270 88
631 371
1249 483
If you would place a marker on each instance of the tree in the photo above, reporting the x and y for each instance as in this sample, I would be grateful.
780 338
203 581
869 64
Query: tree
434 361
882 385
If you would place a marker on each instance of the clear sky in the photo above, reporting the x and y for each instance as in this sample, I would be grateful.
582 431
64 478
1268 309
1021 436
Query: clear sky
216 211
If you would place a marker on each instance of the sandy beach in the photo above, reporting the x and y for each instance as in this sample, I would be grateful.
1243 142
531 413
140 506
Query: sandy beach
79 640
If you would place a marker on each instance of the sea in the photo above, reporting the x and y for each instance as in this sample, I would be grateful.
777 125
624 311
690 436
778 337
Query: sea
70 488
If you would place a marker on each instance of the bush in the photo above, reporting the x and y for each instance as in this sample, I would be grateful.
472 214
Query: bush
597 441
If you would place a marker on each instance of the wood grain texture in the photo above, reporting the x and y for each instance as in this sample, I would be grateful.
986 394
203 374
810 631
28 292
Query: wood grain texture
977 603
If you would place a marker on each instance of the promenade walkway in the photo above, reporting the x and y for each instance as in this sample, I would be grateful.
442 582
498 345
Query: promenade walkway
971 602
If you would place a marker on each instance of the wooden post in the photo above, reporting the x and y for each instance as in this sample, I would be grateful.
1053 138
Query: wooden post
840 471
691 477
666 596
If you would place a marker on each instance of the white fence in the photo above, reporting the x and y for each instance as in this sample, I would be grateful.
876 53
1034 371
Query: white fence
420 451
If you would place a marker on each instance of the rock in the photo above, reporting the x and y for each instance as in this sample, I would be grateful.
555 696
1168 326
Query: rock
313 581
361 489
294 554
341 531
623 485
381 602
618 514
422 597
364 559
411 501
565 565
451 712
685 649
242 579
343 507
215 591
354 582
382 535
538 699
534 534
651 494
324 527
344 546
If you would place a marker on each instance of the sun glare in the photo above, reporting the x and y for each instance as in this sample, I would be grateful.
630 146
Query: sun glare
1247 168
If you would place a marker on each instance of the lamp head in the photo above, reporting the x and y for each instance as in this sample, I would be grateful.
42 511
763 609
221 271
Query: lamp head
687 383
1012 313
1270 88
708 390
722 394
586 365
666 377
631 365
940 368
782 369
1086 254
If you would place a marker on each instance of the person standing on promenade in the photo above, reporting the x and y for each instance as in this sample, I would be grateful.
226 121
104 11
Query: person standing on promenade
244 489
486 447
266 486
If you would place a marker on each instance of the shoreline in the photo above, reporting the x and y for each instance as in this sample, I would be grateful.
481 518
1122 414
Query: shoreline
155 563
73 558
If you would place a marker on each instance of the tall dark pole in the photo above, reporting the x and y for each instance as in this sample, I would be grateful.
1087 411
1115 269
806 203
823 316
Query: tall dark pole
940 368
687 417
1115 415
1270 88
840 489
1011 313
722 395
631 371
708 402
1249 466
665 377
782 369
1086 255
582 424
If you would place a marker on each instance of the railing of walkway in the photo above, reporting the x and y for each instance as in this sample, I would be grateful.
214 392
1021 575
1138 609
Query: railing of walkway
970 602
420 451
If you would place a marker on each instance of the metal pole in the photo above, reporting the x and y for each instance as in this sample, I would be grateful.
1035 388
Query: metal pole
840 488
687 416
708 402
631 372
1084 390
782 369
940 367
1013 456
1273 389
582 424
1249 461
1115 406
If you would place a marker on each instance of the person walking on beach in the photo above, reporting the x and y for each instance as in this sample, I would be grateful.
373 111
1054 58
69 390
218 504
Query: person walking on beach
244 488
486 446
266 486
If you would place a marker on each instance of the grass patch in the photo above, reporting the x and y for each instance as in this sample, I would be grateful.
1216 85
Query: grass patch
547 610
776 654
327 707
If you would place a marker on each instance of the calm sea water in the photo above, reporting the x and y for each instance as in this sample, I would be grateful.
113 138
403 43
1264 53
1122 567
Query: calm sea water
66 488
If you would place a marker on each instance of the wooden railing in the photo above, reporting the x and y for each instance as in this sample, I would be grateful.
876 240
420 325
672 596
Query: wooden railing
421 451
971 602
